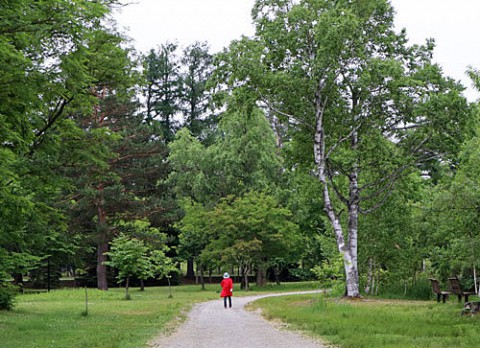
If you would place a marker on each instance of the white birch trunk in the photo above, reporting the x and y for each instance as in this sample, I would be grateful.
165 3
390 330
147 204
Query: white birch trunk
353 210
369 286
349 252
477 291
354 206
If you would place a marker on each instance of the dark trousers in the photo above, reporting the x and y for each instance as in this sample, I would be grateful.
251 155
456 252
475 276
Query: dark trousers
229 301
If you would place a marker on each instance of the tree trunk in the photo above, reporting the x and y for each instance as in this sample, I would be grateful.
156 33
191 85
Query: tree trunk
169 287
261 275
102 283
276 270
190 269
18 279
368 286
202 279
142 285
245 269
477 291
196 274
349 260
102 248
127 283
349 252
353 206
353 209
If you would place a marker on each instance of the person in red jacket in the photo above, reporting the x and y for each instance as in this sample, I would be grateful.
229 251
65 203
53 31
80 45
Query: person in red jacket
227 290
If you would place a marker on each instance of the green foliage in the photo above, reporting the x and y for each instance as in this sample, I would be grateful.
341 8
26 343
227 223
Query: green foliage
242 158
330 274
163 88
141 253
16 263
249 231
196 98
452 215
7 296
55 58
129 256
189 161
301 274
242 230
393 243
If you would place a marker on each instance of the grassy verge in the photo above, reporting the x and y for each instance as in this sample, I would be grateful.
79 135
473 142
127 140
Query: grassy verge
55 319
376 323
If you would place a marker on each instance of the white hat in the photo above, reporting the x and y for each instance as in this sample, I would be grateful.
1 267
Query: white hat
226 275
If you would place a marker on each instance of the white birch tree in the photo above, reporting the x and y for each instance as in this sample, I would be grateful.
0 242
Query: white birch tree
371 107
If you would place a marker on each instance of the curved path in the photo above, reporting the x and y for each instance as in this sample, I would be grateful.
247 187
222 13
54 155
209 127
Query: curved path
210 325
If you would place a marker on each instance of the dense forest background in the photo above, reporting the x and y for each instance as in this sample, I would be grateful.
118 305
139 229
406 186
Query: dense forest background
324 145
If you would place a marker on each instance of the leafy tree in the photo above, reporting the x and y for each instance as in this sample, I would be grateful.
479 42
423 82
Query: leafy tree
140 250
243 157
301 193
95 186
163 267
43 54
195 236
455 214
370 106
474 75
451 211
129 256
156 241
189 163
252 231
393 247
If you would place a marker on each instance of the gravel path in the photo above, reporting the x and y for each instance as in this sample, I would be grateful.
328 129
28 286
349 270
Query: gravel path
210 325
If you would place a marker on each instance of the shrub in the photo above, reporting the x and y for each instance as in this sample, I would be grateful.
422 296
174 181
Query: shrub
7 296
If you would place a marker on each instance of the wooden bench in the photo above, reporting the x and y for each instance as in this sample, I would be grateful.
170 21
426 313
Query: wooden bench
436 290
457 289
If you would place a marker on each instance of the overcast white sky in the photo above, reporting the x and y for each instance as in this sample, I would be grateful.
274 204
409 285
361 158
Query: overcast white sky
454 24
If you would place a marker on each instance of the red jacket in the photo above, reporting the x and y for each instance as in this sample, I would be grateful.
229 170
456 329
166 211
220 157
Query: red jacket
227 287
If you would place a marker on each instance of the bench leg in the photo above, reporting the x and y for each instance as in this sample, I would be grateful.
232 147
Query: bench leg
466 298
459 298
438 297
444 298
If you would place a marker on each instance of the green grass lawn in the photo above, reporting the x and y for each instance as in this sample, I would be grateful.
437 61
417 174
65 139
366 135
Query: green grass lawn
376 323
55 319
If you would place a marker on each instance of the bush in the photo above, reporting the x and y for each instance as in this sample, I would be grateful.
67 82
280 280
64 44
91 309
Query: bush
7 296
